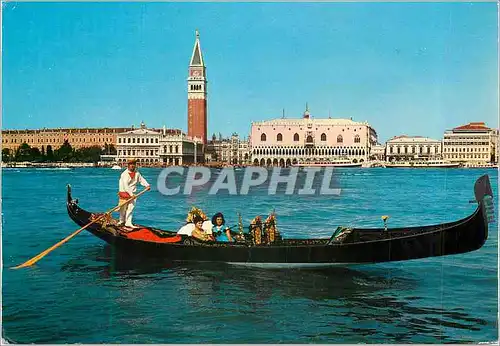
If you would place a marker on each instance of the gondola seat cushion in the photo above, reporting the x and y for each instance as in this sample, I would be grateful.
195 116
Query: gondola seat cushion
147 235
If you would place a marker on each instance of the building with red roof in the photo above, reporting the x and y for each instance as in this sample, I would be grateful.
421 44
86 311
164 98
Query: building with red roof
473 144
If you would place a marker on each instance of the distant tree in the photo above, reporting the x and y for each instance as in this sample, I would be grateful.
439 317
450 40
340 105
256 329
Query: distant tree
64 153
50 154
112 149
88 154
109 149
35 154
23 153
42 153
6 155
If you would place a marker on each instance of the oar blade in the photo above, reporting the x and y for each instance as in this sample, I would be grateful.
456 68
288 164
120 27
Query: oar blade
38 257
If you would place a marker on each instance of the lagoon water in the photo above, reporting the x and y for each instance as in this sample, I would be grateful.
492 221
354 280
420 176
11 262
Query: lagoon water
80 294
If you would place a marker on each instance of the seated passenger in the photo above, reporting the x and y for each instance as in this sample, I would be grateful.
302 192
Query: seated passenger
189 227
198 231
221 232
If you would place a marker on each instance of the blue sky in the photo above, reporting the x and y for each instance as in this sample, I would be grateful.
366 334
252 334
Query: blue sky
406 68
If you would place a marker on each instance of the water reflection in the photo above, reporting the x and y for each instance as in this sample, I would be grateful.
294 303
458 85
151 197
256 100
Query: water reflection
378 304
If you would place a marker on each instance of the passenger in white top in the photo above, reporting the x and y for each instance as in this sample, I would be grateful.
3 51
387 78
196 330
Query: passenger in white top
127 188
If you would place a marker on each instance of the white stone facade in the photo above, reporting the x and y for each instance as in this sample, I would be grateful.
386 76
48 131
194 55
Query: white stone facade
474 143
407 148
231 150
178 149
289 141
142 144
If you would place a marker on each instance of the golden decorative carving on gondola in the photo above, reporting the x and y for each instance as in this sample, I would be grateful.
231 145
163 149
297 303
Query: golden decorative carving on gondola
195 211
271 234
256 230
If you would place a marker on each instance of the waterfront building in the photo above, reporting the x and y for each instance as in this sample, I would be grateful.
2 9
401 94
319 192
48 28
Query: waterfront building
197 94
378 152
407 148
231 150
142 144
472 144
159 147
55 138
290 141
176 148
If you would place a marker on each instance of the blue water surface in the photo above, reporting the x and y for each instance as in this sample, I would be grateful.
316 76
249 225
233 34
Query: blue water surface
79 293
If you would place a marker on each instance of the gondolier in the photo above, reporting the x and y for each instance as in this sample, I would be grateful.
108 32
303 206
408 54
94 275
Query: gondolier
127 188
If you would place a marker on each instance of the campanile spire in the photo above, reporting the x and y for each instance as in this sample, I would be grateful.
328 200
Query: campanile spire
197 93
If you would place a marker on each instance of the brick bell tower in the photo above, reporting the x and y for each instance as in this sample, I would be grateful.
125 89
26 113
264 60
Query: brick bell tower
197 94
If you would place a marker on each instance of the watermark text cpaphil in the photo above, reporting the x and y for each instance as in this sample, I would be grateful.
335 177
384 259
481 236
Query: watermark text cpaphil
243 181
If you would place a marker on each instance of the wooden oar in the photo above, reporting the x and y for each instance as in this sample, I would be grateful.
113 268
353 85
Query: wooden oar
44 253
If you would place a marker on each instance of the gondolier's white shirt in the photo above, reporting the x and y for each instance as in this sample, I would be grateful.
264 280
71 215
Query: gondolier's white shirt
127 184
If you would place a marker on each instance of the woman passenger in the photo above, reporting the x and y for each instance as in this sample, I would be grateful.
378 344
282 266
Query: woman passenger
199 232
221 232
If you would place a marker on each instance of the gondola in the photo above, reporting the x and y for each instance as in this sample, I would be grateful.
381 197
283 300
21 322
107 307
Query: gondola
344 246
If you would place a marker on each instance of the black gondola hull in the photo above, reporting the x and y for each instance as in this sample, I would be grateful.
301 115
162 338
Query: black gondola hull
373 245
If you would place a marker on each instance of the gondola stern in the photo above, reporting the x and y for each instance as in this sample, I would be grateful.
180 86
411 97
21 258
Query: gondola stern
484 197
482 188
68 192
78 215
69 196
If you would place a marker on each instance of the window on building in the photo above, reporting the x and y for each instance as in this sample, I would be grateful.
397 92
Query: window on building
156 140
263 137
357 139
176 149
323 137
171 149
340 139
296 137
279 137
128 140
